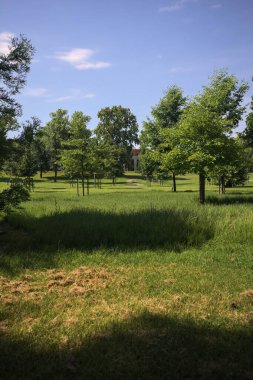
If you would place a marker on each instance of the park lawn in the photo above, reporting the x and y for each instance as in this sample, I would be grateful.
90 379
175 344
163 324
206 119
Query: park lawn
132 282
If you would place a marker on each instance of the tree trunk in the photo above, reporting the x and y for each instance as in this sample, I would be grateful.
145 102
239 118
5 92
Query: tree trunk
55 172
222 184
88 186
202 188
174 182
77 186
41 171
83 186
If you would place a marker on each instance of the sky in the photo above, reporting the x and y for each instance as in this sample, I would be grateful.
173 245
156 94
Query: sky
92 54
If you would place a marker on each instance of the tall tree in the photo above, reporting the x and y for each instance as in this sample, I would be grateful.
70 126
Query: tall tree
118 127
205 129
56 132
76 156
28 160
43 155
22 160
156 131
14 67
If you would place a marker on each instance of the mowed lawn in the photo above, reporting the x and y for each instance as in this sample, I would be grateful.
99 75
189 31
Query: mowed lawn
130 282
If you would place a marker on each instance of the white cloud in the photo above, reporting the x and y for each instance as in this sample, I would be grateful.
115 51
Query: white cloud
5 39
75 94
39 91
81 59
75 56
176 6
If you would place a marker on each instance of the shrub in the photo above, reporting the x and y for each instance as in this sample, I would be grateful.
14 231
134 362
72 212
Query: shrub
12 197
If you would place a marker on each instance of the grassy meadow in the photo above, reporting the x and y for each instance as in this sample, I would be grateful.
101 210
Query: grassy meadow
131 282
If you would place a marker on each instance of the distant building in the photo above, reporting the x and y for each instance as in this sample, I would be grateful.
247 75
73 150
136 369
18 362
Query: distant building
135 158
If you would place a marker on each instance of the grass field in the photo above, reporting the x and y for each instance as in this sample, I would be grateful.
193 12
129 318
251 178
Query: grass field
132 282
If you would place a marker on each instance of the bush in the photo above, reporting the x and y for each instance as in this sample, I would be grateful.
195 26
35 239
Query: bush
12 197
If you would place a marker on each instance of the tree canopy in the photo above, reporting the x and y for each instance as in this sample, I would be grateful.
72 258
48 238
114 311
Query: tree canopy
14 67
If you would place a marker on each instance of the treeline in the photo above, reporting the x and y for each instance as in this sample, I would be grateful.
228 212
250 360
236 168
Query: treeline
66 142
181 135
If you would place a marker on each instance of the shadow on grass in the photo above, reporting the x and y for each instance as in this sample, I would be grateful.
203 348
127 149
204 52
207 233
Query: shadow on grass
229 199
93 229
148 347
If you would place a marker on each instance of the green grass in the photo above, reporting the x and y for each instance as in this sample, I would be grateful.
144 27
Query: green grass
132 282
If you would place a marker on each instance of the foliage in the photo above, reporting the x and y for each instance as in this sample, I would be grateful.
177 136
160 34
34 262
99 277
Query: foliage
166 115
43 155
118 127
12 197
204 132
157 133
28 161
233 171
14 67
148 162
247 134
107 158
76 155
55 132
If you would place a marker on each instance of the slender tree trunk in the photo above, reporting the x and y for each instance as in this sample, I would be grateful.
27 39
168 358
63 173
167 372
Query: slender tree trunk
202 188
41 171
88 186
77 186
82 170
174 182
82 185
222 184
55 172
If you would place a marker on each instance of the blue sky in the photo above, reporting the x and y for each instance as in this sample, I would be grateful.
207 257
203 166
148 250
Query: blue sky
96 53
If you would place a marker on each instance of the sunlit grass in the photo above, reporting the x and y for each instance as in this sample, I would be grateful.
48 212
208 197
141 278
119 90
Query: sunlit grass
131 282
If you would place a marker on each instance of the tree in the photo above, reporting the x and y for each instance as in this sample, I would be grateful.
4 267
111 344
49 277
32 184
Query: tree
28 160
76 154
118 127
156 132
56 132
204 132
43 155
106 159
172 159
233 169
23 159
149 163
14 67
